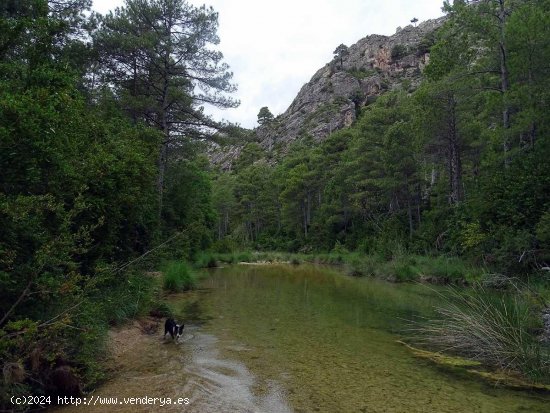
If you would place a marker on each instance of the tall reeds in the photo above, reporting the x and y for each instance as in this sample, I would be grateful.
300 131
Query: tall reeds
497 330
178 276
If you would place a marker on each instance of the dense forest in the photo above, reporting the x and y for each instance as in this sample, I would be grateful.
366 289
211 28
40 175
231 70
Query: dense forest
100 118
103 140
457 166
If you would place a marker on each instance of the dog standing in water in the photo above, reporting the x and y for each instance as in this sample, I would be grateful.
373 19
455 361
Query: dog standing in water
175 330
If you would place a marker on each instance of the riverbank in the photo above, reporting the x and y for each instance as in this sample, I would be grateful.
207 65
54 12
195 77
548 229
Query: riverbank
197 373
476 370
398 268
110 321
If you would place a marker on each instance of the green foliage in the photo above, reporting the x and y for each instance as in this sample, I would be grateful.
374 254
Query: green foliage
78 200
399 51
340 52
361 73
543 230
178 276
512 203
205 260
134 40
424 170
426 43
188 206
251 153
404 273
339 248
494 330
265 116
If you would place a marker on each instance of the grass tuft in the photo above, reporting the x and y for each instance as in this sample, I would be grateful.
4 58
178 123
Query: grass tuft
495 330
178 276
205 260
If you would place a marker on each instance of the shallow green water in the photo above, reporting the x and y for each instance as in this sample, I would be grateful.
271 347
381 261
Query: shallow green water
282 339
327 342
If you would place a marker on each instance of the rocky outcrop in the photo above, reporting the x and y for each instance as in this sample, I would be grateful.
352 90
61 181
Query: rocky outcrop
333 96
337 91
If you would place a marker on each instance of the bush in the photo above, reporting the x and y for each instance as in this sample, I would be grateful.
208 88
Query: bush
426 44
160 309
405 272
451 268
34 347
496 330
339 248
178 277
295 261
543 230
398 51
244 257
225 245
205 260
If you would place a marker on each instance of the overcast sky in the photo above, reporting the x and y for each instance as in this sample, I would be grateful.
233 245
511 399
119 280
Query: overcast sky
274 47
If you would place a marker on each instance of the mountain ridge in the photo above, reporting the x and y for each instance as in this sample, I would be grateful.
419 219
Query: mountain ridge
334 95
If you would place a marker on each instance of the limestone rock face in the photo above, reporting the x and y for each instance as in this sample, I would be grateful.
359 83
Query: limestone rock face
337 91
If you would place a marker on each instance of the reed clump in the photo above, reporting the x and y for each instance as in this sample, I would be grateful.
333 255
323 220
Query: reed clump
497 330
178 276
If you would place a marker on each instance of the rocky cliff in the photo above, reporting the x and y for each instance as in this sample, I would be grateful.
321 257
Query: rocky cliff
335 94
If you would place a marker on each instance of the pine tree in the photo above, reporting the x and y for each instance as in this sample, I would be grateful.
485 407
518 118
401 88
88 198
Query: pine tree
340 52
264 116
156 54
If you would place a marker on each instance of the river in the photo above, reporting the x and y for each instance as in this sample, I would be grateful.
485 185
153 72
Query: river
283 339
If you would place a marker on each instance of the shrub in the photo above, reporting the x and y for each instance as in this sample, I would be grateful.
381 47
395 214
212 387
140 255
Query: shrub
496 330
244 257
295 261
339 248
224 245
205 260
160 309
543 230
405 272
371 99
451 268
398 51
178 277
426 44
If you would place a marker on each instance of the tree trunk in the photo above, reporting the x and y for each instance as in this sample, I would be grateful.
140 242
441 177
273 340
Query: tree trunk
161 171
504 81
304 217
226 223
410 216
308 204
134 111
279 223
533 126
165 127
454 154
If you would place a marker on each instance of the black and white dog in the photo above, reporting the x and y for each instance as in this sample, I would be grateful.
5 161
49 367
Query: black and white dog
175 330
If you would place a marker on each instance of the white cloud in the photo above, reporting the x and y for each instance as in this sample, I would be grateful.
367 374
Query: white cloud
274 47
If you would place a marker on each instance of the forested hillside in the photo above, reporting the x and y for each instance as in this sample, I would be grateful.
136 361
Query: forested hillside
457 166
100 118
